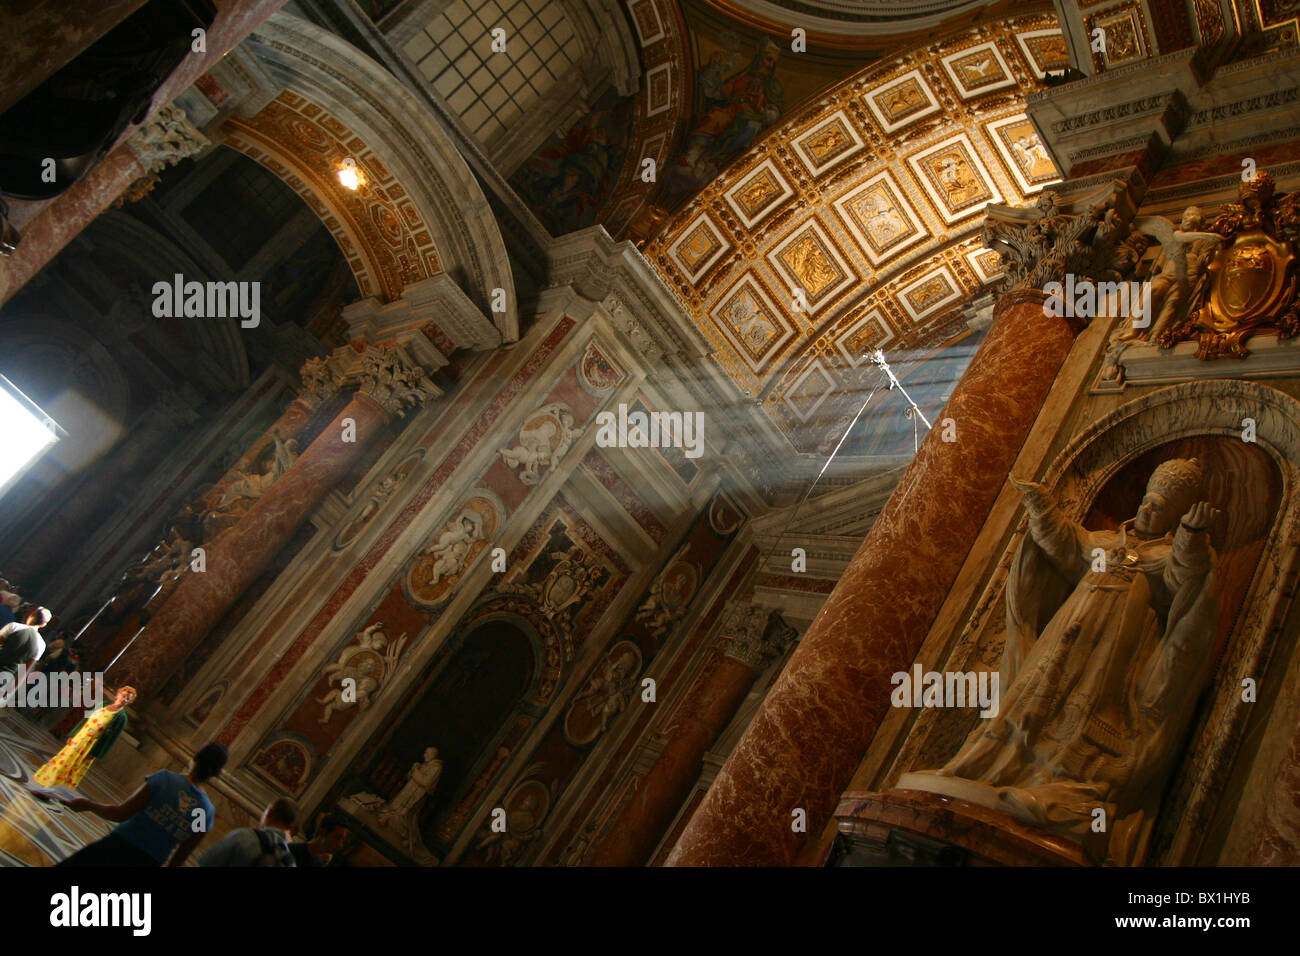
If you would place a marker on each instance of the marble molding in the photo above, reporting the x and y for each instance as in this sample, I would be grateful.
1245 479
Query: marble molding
982 836
811 731
240 554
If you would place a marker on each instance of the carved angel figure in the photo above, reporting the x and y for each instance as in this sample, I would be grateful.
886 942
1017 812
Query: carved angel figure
1179 285
1107 648
655 613
610 687
448 554
543 444
360 671
240 493
523 827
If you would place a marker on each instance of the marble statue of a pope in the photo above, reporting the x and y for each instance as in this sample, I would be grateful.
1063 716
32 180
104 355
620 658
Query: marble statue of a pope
1108 646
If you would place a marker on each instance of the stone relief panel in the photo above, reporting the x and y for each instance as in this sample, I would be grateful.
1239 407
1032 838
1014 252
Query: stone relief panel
437 569
543 440
605 695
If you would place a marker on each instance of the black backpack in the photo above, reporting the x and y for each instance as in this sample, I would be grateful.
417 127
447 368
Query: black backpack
270 855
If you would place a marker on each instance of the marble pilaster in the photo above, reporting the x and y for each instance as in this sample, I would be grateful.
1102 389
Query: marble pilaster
750 639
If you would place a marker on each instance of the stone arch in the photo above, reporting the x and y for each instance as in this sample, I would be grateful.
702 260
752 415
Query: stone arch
218 344
421 212
548 641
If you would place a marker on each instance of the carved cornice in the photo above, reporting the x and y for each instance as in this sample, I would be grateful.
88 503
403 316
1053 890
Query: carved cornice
1086 85
1250 104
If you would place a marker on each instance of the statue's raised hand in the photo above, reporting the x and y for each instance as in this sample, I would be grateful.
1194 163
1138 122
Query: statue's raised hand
1201 516
1035 495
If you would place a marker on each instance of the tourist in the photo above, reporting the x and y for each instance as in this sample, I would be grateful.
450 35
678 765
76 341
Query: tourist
161 823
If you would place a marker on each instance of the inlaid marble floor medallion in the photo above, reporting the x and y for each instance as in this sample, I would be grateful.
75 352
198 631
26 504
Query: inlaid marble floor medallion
34 832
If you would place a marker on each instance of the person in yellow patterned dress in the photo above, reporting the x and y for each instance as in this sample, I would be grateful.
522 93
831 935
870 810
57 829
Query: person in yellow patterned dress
91 739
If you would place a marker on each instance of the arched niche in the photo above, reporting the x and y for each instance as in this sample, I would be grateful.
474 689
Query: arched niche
1098 479
434 215
466 709
1259 548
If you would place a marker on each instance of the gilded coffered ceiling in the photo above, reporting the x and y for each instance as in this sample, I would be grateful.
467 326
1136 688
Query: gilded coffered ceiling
854 224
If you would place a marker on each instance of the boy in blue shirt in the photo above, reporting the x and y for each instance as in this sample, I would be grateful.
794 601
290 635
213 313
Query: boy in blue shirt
160 824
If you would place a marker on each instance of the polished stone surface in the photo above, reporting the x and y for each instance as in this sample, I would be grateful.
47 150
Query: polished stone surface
34 832
871 822
818 719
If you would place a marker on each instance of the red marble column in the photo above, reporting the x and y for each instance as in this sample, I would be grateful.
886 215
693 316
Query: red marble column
816 722
61 219
48 227
116 623
713 702
47 35
237 556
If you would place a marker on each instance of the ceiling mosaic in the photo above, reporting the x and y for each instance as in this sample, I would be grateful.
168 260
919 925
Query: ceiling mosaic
855 224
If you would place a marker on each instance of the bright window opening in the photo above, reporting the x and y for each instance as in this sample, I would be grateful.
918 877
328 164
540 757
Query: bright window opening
25 432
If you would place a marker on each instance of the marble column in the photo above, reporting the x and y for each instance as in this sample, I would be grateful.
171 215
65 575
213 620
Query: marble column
46 36
135 601
750 639
60 220
812 729
390 382
49 226
237 556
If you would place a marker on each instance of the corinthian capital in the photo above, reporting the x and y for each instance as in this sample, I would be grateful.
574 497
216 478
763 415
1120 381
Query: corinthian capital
1042 243
393 380
320 381
165 139
754 635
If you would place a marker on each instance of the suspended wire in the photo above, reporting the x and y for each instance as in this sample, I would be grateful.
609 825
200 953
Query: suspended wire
877 359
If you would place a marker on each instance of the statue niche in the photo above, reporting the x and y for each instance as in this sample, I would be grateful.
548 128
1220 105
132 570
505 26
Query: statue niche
464 710
1113 631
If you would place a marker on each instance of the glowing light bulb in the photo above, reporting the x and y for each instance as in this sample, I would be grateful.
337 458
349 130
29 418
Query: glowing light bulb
349 176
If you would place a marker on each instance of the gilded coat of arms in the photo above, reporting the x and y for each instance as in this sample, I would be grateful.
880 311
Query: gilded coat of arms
1251 283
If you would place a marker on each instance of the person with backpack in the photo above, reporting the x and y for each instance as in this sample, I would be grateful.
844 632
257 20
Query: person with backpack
161 823
265 845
